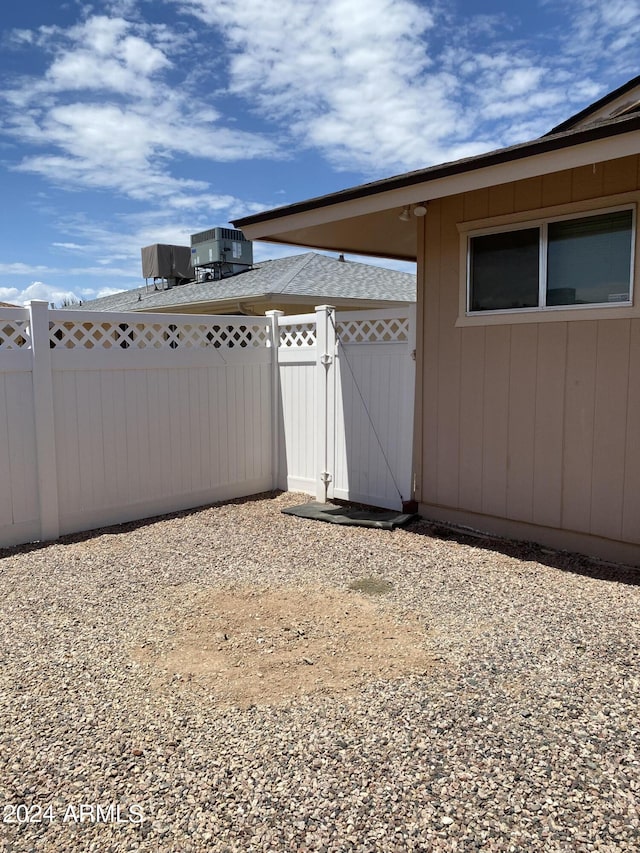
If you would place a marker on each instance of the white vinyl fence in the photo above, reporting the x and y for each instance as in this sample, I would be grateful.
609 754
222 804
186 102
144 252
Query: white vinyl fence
106 418
347 391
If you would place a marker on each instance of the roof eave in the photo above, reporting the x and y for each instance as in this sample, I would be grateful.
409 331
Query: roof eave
579 147
207 303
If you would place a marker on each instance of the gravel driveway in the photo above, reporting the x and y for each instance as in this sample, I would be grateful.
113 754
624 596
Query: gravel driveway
523 734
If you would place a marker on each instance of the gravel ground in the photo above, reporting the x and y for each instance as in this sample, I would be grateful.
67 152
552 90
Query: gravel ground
523 735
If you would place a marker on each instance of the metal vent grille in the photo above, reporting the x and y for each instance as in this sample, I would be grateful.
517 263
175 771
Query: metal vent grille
216 234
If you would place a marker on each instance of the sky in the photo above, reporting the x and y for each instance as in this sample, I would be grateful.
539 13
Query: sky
134 122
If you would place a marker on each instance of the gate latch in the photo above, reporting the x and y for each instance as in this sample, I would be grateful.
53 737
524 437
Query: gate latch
326 359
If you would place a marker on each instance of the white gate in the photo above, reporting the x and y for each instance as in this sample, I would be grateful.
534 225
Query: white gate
346 386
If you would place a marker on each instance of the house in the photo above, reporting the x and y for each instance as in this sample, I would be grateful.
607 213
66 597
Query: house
528 339
295 285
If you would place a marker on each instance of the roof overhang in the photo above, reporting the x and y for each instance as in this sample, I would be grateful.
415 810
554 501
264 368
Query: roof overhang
245 304
365 219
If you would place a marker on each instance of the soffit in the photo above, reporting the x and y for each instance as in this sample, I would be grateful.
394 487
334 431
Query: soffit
364 220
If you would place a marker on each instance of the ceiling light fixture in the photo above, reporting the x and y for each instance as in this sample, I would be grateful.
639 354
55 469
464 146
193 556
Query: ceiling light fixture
420 209
404 216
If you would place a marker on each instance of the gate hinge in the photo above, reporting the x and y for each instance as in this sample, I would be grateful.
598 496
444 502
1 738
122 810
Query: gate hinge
326 359
326 478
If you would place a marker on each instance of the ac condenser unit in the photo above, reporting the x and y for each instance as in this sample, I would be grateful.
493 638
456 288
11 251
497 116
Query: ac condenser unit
221 246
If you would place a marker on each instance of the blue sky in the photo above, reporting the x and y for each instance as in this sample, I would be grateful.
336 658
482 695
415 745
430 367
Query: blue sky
134 122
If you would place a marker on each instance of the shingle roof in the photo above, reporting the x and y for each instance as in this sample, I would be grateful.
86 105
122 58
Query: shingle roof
309 274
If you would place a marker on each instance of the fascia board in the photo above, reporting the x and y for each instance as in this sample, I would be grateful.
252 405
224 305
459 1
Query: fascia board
587 153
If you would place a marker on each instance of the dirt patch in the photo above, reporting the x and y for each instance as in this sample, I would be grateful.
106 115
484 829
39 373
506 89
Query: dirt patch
253 646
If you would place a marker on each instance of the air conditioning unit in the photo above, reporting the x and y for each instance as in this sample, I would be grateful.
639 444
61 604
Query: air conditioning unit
221 246
164 261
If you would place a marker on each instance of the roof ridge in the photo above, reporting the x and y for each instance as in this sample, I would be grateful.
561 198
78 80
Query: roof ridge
296 270
568 123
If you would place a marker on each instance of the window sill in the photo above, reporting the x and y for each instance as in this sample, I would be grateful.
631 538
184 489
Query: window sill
548 315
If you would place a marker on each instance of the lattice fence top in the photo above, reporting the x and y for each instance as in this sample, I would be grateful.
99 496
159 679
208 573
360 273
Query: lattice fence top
391 331
107 334
14 334
294 335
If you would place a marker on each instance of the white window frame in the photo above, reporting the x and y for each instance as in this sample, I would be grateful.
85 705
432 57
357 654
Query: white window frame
542 224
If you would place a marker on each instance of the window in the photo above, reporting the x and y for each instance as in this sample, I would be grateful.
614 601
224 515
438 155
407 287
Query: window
505 270
584 260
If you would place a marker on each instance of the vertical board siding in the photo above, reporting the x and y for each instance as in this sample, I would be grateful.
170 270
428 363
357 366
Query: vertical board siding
631 506
582 342
523 362
587 182
532 422
429 416
496 420
475 206
472 374
449 338
528 194
556 188
549 424
616 174
501 199
610 428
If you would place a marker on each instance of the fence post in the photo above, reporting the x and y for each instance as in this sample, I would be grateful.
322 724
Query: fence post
276 403
325 426
44 420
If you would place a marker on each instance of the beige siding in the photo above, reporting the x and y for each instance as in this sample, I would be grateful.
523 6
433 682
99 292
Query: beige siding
610 428
549 424
631 507
449 352
534 422
495 420
472 417
528 194
522 419
580 407
427 417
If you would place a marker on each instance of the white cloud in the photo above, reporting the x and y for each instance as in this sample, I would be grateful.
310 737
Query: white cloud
608 28
376 87
107 114
104 291
18 268
394 84
144 110
111 241
349 78
37 290
105 57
